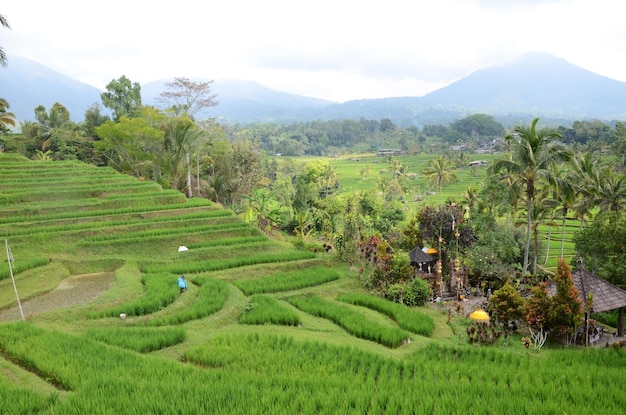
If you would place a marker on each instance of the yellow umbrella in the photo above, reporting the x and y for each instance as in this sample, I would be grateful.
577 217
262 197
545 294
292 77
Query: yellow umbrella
479 315
430 251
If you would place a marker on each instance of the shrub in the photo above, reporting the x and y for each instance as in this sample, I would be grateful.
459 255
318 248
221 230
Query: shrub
506 306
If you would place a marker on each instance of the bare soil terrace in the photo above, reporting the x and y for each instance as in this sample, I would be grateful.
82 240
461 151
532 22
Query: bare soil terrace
77 289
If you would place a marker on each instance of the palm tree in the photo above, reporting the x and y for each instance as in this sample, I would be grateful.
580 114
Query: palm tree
564 195
266 216
470 199
6 118
542 214
586 176
3 57
440 171
397 168
51 124
610 194
327 182
182 138
533 152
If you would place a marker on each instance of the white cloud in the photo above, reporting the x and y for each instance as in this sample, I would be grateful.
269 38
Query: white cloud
337 50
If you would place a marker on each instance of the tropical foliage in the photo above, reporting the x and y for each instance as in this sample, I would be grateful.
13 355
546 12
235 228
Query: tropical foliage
533 151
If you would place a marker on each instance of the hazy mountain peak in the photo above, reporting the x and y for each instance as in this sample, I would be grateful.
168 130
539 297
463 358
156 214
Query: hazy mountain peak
535 82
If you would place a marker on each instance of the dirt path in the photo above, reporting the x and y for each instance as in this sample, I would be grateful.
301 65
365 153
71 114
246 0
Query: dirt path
77 289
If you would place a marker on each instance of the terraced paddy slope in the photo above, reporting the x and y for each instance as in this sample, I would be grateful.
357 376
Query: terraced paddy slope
263 328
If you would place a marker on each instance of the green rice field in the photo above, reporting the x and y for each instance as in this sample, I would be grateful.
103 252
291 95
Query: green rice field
263 328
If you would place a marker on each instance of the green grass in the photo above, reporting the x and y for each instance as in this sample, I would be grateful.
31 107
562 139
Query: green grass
142 340
265 309
314 342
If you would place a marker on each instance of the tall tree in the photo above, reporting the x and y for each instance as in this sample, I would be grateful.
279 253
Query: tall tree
478 126
57 133
135 145
6 118
51 122
3 57
618 142
540 214
533 150
182 139
602 247
610 191
93 119
586 175
123 97
439 172
564 195
187 97
236 171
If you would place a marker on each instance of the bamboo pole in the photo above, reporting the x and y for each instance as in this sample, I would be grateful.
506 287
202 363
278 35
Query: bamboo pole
11 261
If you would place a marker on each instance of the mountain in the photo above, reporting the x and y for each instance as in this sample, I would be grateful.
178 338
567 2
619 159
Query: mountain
26 84
535 84
247 101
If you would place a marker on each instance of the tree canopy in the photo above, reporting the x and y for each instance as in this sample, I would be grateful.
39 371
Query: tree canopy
123 97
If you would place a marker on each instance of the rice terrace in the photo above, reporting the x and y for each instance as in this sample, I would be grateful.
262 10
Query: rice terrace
264 328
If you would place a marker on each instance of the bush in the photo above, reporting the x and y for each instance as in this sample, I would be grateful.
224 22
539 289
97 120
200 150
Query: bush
506 306
414 293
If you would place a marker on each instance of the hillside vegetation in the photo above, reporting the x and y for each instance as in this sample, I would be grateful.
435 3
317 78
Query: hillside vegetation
264 328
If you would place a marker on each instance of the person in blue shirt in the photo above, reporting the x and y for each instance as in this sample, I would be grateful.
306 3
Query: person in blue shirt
182 283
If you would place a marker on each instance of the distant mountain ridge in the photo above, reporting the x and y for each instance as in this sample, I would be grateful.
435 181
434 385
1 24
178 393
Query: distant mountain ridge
536 84
26 84
246 101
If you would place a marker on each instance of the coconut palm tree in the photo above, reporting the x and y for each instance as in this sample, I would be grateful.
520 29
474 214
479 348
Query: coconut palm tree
586 176
533 152
397 168
610 194
51 124
3 57
440 171
564 194
541 213
182 139
6 118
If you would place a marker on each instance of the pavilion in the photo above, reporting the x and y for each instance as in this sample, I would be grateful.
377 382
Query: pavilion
604 295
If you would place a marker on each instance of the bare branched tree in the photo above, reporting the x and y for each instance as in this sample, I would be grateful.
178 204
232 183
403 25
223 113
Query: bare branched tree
187 97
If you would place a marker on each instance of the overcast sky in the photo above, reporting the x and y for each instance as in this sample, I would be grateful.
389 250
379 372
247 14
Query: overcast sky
337 50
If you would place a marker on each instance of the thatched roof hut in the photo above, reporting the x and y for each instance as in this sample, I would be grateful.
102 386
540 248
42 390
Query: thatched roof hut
421 261
418 256
605 296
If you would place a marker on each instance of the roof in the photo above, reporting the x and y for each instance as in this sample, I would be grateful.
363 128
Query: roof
419 257
605 296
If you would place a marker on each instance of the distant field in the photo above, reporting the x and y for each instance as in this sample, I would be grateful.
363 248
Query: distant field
349 172
423 193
